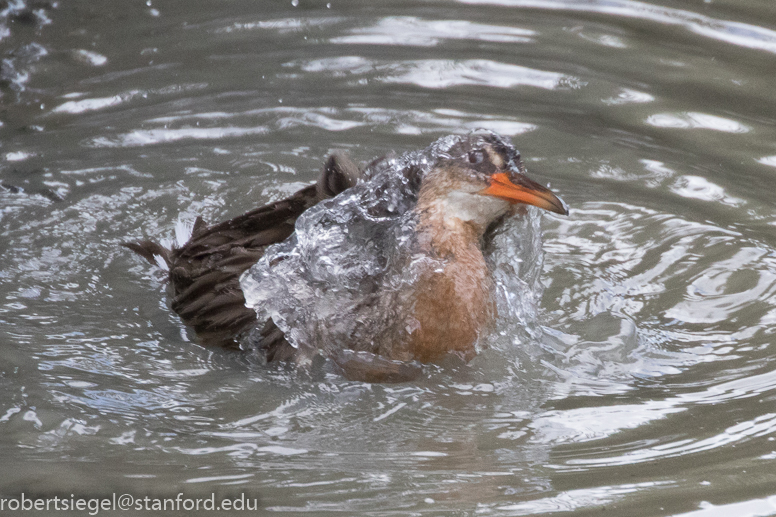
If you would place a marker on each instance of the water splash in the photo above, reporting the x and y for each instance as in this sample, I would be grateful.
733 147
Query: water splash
350 267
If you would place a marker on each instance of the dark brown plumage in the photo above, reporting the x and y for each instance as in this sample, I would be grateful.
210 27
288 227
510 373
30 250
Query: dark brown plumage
204 274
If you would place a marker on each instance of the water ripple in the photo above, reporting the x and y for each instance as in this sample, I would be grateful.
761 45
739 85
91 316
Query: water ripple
437 73
694 120
596 424
571 500
649 296
408 30
287 118
735 33
442 73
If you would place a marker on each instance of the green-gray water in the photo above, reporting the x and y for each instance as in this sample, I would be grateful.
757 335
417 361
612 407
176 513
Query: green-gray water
652 390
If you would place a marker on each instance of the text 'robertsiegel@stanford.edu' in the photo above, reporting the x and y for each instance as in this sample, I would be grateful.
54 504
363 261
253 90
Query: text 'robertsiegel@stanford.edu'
114 502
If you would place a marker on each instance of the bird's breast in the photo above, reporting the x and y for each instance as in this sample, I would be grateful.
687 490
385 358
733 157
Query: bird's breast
451 305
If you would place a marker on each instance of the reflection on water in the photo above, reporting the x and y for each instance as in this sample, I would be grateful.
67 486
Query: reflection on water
646 385
696 121
735 33
410 30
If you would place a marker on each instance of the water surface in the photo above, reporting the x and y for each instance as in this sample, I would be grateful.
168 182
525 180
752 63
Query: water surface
648 386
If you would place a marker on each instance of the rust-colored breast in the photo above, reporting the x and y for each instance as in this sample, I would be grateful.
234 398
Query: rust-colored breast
451 306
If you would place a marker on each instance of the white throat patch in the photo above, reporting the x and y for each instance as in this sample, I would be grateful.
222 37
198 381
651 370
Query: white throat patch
467 207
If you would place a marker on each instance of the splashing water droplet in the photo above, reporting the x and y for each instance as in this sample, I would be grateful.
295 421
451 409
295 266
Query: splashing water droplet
348 271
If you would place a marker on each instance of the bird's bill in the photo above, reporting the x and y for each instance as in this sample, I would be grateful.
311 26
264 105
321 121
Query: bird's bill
526 191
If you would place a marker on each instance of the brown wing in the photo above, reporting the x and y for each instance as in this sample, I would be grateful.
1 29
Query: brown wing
204 273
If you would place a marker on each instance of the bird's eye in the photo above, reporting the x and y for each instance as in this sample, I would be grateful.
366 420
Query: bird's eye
476 157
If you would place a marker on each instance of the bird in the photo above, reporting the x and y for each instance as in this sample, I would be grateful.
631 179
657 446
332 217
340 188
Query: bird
431 295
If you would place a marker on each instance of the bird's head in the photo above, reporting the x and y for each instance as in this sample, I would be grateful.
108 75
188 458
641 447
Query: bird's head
478 178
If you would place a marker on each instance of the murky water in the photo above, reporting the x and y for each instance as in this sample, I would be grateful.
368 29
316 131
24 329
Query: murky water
651 386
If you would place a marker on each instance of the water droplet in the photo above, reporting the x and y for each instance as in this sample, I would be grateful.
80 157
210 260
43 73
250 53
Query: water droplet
365 238
295 2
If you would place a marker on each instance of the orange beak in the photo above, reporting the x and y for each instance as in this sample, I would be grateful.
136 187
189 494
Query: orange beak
526 191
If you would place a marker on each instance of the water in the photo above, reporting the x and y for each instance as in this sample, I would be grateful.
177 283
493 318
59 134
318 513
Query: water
349 276
648 388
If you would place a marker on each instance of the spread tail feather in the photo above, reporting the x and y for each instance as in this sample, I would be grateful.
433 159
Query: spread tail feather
149 250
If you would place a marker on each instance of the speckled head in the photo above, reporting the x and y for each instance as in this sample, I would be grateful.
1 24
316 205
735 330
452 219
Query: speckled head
485 152
477 179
